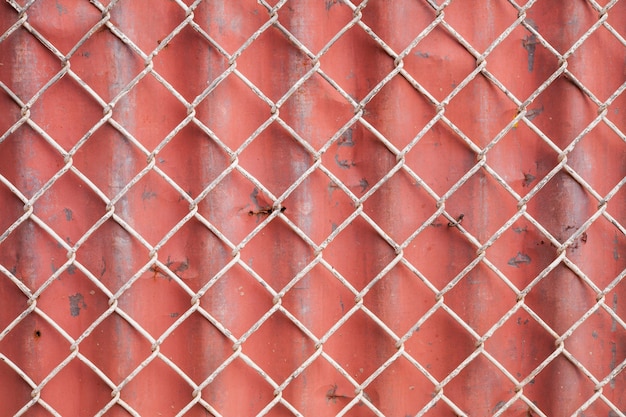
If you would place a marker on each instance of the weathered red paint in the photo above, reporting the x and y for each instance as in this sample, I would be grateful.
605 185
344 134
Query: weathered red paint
227 115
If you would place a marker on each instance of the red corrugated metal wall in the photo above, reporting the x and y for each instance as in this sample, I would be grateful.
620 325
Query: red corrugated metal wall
316 208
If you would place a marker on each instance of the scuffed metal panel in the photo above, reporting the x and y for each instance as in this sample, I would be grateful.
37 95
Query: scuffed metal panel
312 208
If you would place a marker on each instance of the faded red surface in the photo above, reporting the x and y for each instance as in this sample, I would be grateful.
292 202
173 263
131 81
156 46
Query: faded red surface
359 285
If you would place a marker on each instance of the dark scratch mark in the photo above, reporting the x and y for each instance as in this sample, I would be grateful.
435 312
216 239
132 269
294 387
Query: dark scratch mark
177 267
265 211
104 267
346 139
363 184
331 394
60 9
532 113
528 179
76 303
530 43
68 214
613 361
343 163
457 221
254 196
158 271
520 229
520 258
498 406
614 308
147 194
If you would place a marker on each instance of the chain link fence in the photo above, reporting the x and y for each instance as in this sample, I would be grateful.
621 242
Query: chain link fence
304 208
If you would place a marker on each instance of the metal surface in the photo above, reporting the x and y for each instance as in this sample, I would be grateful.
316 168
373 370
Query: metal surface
407 208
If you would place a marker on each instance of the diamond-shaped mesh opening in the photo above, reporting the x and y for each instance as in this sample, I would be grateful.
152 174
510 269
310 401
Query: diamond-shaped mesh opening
559 38
515 156
424 158
155 397
69 200
235 98
432 69
467 298
272 345
318 287
401 389
77 377
31 268
320 387
358 359
561 287
114 336
50 17
149 196
522 49
226 390
568 400
285 208
25 84
490 114
353 239
459 390
316 99
533 342
556 121
187 69
275 142
83 302
359 160
91 62
230 23
420 14
162 20
30 174
429 345
237 286
414 299
150 112
297 19
318 217
475 31
290 63
19 395
47 112
359 80
398 96
40 336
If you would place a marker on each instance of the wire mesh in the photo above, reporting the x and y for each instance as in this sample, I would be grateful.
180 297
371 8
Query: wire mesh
501 289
